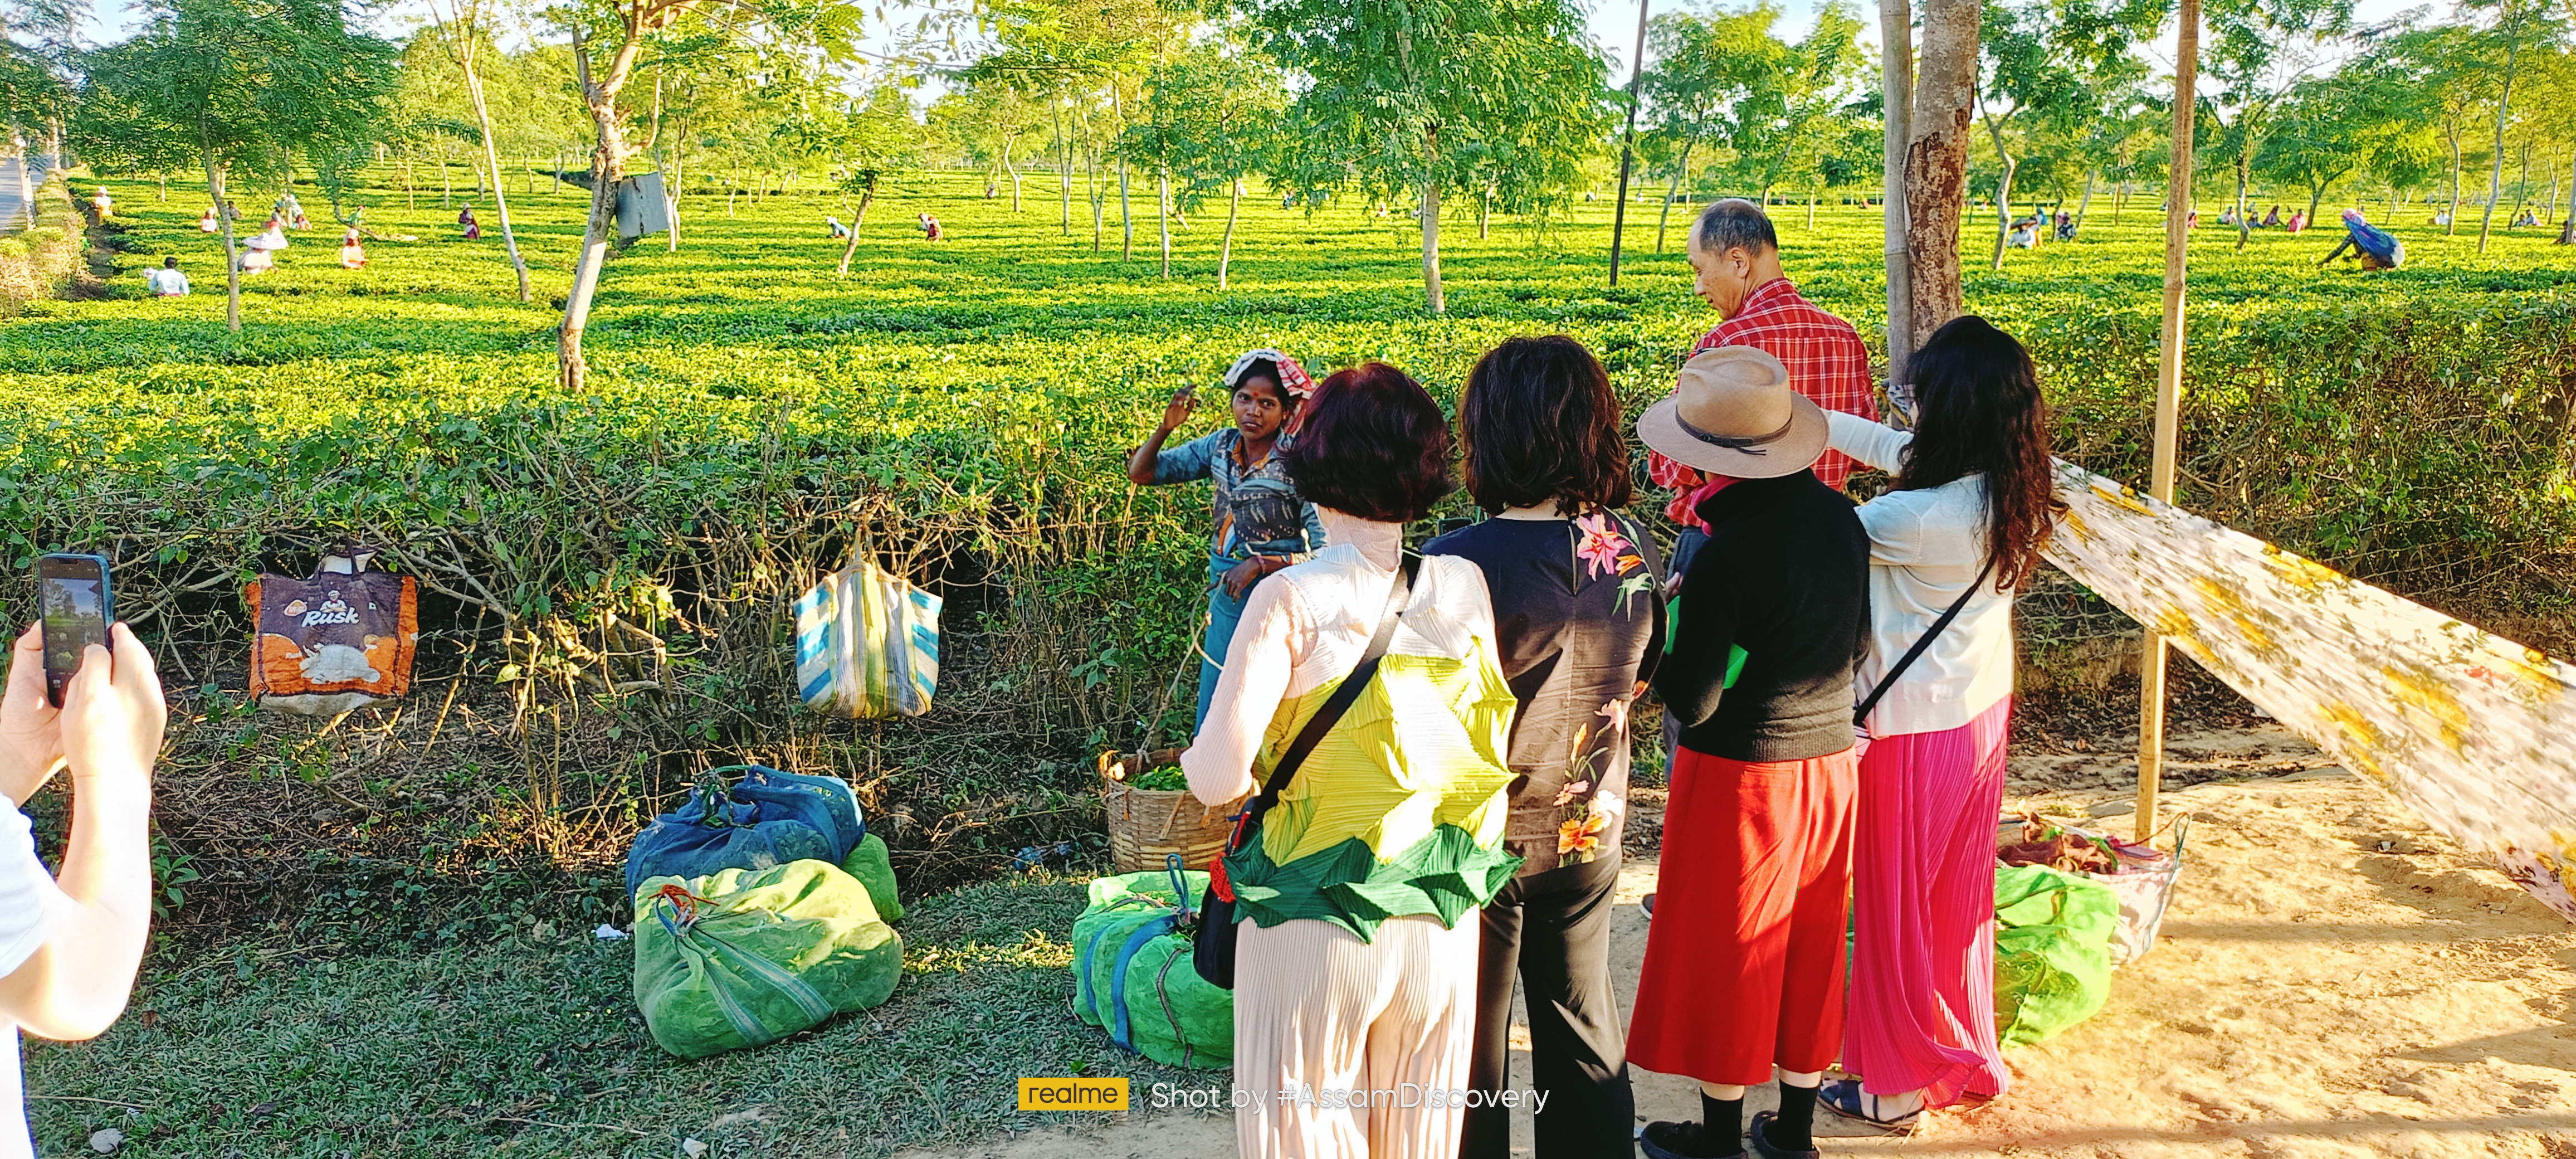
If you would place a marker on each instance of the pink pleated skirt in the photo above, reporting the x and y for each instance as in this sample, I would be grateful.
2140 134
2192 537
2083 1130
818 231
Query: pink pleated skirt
1921 1003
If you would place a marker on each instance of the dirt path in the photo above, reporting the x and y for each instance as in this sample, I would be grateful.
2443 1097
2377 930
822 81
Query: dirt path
2334 981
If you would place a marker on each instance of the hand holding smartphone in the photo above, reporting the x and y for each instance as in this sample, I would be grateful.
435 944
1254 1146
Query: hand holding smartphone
72 593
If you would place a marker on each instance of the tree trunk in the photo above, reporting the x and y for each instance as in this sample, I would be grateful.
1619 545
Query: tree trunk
1896 100
2567 231
2317 197
410 200
492 156
2003 189
1484 211
2085 204
2454 227
1671 193
858 217
1099 196
1013 170
2504 104
1439 301
1064 170
232 254
608 167
1126 217
1936 163
446 182
1225 249
2244 163
26 183
1163 215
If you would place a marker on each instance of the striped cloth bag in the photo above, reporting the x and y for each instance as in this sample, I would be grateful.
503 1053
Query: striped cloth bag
867 644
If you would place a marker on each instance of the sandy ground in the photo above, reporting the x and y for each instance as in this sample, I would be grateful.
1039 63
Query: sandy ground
2335 980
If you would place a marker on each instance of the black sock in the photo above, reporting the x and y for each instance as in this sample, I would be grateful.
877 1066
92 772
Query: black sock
1721 1125
1795 1128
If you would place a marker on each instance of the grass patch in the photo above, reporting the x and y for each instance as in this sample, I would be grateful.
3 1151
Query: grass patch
531 1045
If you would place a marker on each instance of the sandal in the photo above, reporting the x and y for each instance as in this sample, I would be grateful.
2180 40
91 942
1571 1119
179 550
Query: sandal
1845 1099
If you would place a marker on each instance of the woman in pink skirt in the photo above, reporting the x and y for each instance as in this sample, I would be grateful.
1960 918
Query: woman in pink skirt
1960 528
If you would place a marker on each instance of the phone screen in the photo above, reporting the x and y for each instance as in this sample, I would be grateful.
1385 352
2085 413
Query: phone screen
72 590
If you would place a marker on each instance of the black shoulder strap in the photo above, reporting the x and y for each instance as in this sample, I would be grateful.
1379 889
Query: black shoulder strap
1343 697
1925 641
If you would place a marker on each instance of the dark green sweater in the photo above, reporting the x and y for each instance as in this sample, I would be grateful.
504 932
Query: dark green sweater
1785 577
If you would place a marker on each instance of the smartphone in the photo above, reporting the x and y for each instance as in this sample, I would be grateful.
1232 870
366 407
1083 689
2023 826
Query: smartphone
73 592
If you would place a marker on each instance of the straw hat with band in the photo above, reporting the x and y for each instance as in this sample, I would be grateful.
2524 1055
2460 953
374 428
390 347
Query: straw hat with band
1732 413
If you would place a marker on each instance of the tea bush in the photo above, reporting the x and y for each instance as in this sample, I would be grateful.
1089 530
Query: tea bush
607 575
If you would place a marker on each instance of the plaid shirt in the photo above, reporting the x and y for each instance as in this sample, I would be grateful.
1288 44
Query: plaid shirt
1826 363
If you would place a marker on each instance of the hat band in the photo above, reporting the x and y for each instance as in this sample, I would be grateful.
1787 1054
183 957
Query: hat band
1750 446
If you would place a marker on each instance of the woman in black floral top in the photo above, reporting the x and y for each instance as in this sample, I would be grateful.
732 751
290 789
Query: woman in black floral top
1580 620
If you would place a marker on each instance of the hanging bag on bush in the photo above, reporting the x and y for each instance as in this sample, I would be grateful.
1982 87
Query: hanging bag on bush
1214 940
867 643
335 640
769 818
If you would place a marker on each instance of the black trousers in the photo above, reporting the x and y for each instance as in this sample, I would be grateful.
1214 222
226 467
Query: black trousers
1553 929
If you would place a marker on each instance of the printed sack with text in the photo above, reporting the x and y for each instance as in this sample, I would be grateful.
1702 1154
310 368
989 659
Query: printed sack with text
336 640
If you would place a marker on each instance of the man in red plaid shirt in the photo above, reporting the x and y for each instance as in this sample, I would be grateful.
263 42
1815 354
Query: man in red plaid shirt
1737 258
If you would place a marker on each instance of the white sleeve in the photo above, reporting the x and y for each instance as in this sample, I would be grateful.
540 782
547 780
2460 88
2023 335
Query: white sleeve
1259 662
32 907
1878 446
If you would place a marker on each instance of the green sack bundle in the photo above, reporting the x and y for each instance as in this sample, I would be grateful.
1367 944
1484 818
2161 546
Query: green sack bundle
745 957
2052 951
875 870
1131 953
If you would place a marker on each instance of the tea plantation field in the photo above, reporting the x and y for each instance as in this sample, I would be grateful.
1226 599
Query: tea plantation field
429 869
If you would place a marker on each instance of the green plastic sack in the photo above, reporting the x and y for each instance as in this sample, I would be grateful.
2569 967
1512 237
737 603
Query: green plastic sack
2052 951
1129 952
745 957
1174 1016
870 864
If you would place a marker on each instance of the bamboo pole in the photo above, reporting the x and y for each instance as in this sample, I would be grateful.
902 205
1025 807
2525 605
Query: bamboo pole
1896 35
1627 147
2151 667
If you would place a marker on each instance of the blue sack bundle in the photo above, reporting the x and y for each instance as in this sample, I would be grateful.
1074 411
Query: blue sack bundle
769 817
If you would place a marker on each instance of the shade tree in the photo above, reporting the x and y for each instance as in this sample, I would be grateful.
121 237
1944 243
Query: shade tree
239 87
1404 100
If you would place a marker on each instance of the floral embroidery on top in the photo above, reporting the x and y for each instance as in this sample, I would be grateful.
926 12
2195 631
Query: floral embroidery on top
1578 835
1603 548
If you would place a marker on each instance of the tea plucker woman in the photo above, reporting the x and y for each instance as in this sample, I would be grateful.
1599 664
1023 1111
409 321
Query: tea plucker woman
1356 956
1262 524
1579 619
1972 503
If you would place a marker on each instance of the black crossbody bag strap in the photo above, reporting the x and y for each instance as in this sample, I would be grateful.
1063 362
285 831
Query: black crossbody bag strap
1924 642
1212 943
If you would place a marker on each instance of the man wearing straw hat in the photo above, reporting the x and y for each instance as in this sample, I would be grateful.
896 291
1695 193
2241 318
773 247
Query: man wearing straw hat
1744 959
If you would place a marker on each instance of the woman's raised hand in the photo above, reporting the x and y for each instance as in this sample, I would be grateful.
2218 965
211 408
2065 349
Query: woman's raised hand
1178 410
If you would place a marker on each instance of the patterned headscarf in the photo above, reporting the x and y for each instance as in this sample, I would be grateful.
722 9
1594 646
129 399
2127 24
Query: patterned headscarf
1292 377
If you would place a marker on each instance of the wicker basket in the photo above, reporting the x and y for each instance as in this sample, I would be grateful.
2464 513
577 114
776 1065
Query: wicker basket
1147 825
